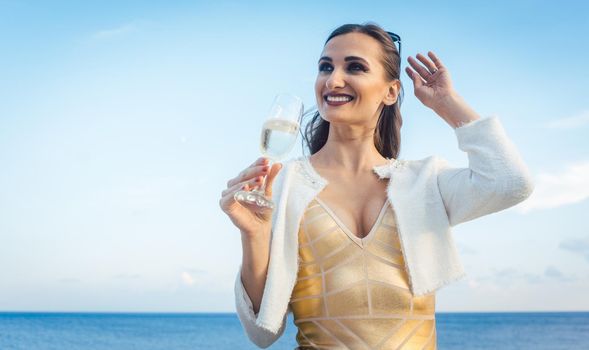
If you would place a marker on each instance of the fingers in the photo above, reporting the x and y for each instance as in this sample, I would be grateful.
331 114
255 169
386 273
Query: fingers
245 185
436 60
424 73
258 168
249 178
260 161
227 201
417 67
417 80
431 67
270 179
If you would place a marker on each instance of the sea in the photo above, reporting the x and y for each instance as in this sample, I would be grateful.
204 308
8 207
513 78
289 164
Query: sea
179 331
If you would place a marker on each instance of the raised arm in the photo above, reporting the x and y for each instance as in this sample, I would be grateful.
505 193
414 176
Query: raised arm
496 177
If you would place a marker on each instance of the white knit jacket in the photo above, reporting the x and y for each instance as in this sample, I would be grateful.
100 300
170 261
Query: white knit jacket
428 197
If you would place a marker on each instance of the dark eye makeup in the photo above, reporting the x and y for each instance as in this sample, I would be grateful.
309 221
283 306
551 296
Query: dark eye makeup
354 67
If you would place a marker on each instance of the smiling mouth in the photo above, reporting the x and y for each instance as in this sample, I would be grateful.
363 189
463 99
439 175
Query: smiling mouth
337 100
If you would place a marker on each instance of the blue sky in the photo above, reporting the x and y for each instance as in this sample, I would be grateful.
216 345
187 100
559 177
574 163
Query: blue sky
121 123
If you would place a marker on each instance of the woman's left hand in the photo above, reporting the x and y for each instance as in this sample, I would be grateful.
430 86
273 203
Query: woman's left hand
432 89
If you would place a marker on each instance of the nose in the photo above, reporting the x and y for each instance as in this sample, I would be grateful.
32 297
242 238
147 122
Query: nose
335 80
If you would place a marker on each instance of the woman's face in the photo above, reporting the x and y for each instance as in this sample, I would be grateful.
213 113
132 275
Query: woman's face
350 64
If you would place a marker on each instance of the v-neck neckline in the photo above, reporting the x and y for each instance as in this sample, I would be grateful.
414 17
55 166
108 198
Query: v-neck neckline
361 241
383 171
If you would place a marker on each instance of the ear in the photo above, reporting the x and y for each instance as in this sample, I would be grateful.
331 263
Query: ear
392 93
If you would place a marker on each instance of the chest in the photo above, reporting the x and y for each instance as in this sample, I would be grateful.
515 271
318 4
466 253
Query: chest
357 204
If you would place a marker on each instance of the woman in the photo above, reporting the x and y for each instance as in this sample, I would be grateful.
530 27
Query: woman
360 241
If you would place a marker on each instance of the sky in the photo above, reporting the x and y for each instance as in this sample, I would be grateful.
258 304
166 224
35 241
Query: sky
121 123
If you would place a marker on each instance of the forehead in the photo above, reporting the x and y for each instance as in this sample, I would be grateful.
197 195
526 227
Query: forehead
353 44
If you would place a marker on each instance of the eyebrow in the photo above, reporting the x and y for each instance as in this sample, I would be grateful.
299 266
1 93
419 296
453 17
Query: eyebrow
347 59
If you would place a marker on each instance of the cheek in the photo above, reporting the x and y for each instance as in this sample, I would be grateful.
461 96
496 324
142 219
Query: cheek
319 83
372 94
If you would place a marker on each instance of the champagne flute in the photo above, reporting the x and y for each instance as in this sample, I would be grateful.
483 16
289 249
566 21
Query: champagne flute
279 133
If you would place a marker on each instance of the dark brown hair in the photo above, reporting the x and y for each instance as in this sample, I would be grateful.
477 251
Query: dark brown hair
387 135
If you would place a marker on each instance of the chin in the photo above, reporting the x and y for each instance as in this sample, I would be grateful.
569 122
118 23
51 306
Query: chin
337 117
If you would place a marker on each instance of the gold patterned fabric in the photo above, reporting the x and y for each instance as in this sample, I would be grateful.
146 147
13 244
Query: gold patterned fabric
352 292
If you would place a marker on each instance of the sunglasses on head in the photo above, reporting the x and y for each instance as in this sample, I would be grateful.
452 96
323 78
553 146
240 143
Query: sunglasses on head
396 39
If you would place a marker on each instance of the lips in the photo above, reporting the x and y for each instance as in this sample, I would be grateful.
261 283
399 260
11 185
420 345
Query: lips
337 99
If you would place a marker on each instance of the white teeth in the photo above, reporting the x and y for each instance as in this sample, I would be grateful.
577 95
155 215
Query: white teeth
338 98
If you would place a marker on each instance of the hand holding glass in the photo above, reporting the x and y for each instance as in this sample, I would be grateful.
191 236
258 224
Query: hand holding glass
279 134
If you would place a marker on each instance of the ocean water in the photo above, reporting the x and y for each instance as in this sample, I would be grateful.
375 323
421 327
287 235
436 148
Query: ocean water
114 331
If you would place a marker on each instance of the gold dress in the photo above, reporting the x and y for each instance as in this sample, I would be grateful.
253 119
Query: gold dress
352 292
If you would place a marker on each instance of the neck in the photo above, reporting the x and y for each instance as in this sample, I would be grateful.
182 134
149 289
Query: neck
349 149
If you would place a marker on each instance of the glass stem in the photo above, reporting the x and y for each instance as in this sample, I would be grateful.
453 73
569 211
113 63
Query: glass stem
262 188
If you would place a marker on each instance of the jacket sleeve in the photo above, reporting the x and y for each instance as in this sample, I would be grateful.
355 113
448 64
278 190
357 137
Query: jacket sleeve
260 336
496 177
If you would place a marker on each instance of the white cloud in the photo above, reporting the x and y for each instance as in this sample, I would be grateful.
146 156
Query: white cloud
575 121
555 190
187 278
577 246
193 277
465 249
552 272
509 277
473 283
114 32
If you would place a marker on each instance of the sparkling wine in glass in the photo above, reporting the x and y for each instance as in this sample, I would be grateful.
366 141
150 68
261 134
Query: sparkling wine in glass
279 134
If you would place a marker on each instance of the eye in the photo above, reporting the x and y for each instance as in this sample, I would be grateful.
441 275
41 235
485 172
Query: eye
357 67
324 66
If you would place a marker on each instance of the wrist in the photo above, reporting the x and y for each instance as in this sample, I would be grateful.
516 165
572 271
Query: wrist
255 238
455 111
254 243
255 256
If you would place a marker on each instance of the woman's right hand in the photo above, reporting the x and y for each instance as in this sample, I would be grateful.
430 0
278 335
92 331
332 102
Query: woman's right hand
251 219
